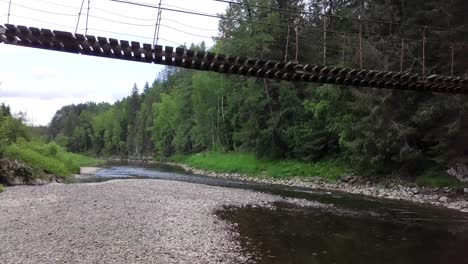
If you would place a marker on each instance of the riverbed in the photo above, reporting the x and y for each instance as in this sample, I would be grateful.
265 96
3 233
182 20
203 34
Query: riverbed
160 214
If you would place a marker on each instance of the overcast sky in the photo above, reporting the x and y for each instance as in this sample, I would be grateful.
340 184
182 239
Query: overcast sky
41 82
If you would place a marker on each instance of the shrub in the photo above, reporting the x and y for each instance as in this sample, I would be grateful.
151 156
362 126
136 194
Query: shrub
49 158
436 178
245 163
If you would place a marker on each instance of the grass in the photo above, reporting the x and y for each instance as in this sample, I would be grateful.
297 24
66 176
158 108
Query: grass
1 188
330 170
245 163
49 158
437 179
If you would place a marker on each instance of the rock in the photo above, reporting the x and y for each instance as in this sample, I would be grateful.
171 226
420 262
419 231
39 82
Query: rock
465 190
348 179
89 170
15 172
443 199
464 210
460 171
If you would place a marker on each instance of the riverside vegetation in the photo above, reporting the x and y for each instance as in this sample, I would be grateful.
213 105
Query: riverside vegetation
25 157
282 129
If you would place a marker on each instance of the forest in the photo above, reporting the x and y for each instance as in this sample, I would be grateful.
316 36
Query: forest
373 131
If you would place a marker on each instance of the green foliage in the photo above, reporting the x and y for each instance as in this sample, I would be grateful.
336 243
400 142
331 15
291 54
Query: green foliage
11 129
48 158
1 188
236 162
437 178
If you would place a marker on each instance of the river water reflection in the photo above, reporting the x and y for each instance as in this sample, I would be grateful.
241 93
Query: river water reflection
356 230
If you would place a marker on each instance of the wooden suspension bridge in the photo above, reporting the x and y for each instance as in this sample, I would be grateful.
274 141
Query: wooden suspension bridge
207 61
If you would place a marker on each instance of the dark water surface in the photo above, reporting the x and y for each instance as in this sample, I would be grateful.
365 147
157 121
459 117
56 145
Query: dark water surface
356 229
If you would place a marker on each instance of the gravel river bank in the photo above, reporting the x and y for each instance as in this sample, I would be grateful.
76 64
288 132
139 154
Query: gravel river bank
155 213
456 199
130 221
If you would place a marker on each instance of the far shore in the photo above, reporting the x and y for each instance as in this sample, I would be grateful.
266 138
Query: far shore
451 198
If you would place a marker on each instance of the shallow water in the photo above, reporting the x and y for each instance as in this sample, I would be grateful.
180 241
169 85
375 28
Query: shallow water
356 229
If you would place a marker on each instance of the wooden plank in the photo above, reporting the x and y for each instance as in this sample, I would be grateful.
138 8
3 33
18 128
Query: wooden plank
271 64
308 68
316 69
188 60
127 53
290 66
244 70
25 32
11 29
296 77
344 72
106 47
158 54
325 70
286 76
210 56
116 49
279 66
335 70
25 41
260 73
68 40
136 49
240 60
223 68
260 63
234 69
148 51
313 78
270 74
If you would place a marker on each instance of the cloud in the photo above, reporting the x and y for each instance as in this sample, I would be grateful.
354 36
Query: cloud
41 74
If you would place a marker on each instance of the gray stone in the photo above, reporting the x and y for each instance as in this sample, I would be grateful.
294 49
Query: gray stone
460 171
345 178
465 190
15 172
443 199
126 221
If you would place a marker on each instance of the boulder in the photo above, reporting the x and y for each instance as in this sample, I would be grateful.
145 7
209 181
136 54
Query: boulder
460 171
443 199
348 179
14 172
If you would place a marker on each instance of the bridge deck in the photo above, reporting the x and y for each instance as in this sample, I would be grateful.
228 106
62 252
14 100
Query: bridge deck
208 61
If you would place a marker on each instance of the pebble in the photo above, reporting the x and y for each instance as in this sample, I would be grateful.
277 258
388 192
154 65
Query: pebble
145 221
423 195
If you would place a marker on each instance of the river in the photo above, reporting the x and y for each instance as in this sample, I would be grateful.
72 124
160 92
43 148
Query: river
356 229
